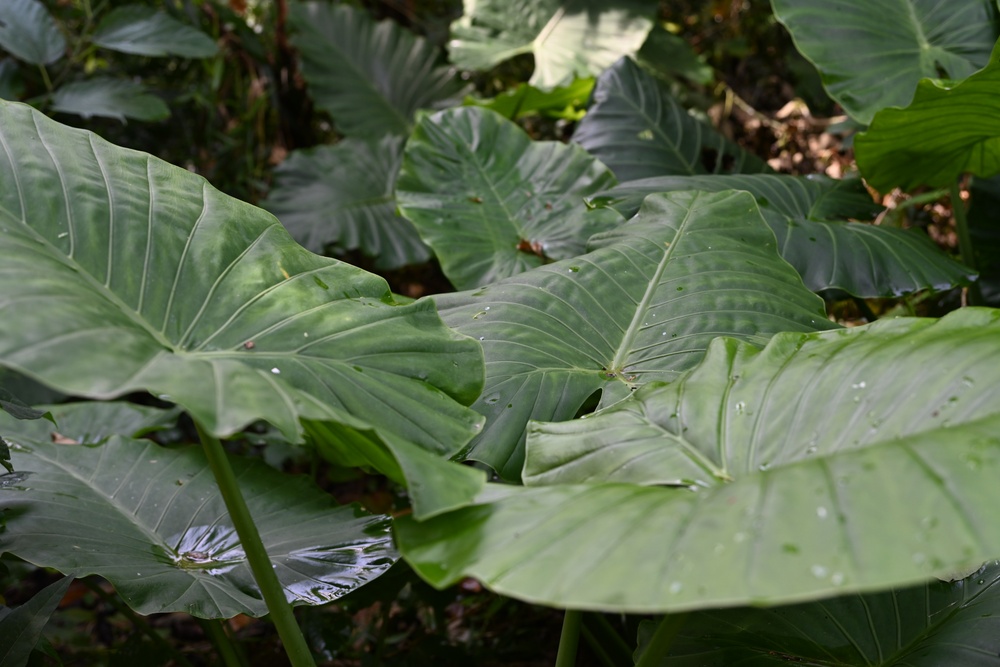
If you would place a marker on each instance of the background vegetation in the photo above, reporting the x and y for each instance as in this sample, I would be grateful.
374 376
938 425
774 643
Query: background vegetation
249 100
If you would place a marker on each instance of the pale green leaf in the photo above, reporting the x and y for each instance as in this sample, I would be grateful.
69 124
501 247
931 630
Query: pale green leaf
850 472
568 38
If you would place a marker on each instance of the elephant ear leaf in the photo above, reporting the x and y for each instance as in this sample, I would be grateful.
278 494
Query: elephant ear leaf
869 63
641 306
816 466
125 273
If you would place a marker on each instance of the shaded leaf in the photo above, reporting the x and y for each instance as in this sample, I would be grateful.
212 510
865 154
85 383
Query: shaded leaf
207 301
492 203
937 623
434 484
109 98
371 77
93 422
637 127
568 38
985 230
872 53
11 85
18 410
28 32
671 55
948 129
851 472
137 513
342 196
642 306
807 215
21 629
146 31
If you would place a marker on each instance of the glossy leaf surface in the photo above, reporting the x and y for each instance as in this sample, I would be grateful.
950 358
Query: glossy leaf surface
937 623
491 202
637 127
136 513
809 218
568 38
849 471
145 31
136 275
341 197
28 32
642 306
872 53
371 77
946 131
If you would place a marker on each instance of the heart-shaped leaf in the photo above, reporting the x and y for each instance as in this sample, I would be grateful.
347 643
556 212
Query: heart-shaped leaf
872 53
807 216
136 513
109 98
371 77
568 38
642 306
850 472
146 31
491 202
637 127
342 196
937 623
948 130
132 274
28 32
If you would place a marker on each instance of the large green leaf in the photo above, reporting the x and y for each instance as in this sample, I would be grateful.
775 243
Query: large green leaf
146 31
109 98
125 273
642 306
371 77
491 202
28 32
637 127
872 53
21 629
937 623
151 521
851 471
568 38
948 129
342 196
808 216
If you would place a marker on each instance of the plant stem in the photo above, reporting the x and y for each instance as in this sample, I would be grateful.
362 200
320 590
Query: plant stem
569 640
964 240
260 564
660 642
223 644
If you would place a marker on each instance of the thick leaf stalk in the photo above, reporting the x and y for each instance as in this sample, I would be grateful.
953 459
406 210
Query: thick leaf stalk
260 564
